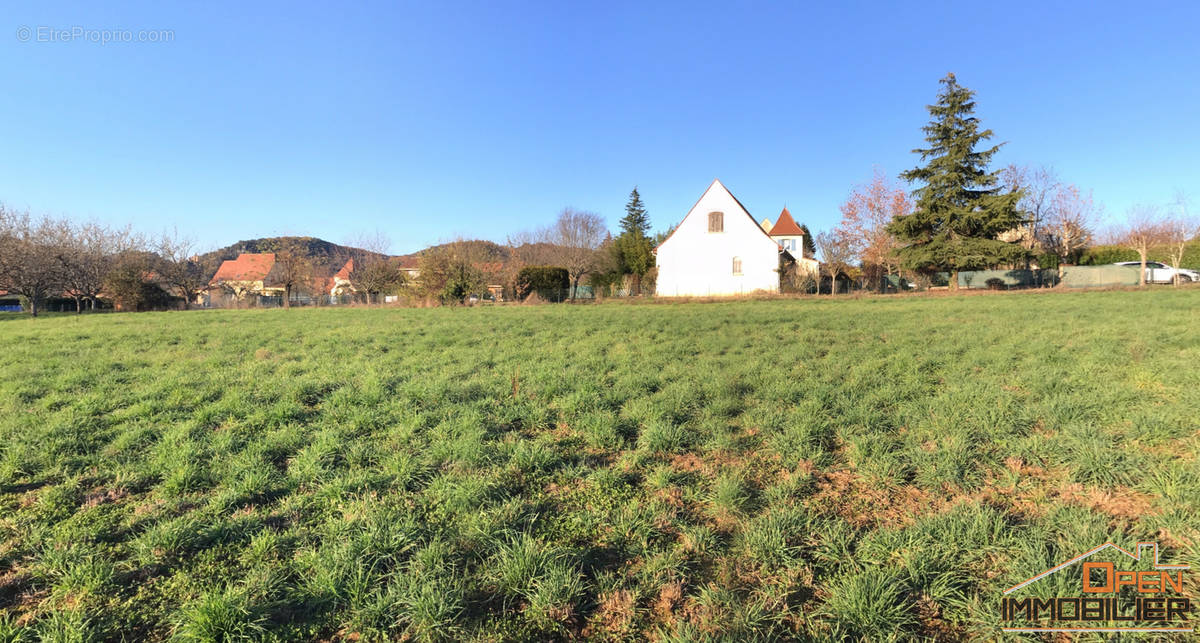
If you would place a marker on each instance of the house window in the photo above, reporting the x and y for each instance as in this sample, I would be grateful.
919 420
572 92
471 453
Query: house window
716 222
737 265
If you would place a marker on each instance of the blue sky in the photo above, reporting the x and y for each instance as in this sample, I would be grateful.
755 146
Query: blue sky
436 119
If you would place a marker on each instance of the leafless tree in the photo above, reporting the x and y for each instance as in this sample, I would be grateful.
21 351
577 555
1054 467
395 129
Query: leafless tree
1179 229
1039 186
576 237
181 268
31 256
1066 225
373 271
1144 228
88 253
293 267
837 252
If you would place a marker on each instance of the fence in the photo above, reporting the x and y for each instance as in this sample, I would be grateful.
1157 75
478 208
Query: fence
1072 277
1100 276
1106 276
1006 279
225 300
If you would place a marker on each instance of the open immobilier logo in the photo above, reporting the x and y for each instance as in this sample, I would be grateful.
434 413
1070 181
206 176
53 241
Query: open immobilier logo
1110 600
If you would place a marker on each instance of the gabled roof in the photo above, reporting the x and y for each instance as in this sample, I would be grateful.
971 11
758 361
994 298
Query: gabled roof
715 183
786 226
766 225
344 273
247 267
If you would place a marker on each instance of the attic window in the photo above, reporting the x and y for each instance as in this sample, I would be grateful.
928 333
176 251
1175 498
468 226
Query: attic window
737 264
716 222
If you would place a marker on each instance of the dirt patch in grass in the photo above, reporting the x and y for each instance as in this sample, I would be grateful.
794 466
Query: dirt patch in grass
933 626
614 617
863 504
1122 502
101 496
11 586
669 598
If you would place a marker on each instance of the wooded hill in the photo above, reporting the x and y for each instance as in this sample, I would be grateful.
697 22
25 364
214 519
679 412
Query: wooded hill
323 252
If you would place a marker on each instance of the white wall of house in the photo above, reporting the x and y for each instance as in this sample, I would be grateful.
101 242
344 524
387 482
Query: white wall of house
696 262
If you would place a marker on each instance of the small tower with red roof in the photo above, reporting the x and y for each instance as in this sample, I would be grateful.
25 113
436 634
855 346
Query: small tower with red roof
788 235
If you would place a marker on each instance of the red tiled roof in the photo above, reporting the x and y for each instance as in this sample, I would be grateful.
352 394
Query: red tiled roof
344 273
247 267
786 226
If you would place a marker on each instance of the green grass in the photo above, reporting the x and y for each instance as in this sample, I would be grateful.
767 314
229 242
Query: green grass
755 470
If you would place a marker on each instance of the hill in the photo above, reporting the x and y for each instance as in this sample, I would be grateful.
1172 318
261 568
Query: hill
479 249
316 249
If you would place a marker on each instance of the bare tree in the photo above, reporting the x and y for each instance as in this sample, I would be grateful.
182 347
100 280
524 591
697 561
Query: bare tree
836 254
181 268
88 254
1067 223
1144 228
31 256
1179 229
373 272
576 237
1038 186
292 268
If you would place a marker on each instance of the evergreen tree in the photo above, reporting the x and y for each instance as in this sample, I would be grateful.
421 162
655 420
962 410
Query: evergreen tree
635 219
632 249
810 246
960 210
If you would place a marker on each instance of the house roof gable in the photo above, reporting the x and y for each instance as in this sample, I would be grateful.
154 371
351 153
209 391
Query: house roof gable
247 267
716 183
786 226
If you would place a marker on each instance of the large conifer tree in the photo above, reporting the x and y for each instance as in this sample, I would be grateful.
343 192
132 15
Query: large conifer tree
633 247
960 208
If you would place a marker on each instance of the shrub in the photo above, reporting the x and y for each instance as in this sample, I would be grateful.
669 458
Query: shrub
551 283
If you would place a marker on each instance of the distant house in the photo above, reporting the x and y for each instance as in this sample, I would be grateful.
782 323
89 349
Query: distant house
719 249
410 266
339 283
246 275
790 237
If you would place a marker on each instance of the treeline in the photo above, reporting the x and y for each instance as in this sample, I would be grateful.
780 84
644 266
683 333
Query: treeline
550 263
962 215
92 264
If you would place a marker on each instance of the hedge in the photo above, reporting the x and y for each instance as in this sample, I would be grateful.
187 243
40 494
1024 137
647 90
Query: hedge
549 282
1100 255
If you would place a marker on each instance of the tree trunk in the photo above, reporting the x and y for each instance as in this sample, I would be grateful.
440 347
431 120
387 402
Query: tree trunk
92 300
79 305
574 287
33 306
954 280
1142 274
287 296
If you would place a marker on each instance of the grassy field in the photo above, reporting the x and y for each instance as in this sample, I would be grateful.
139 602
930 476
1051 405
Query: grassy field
813 469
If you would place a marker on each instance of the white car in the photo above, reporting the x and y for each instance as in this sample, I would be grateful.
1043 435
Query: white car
1160 273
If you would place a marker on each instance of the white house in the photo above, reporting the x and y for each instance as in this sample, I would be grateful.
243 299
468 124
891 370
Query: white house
718 249
790 237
